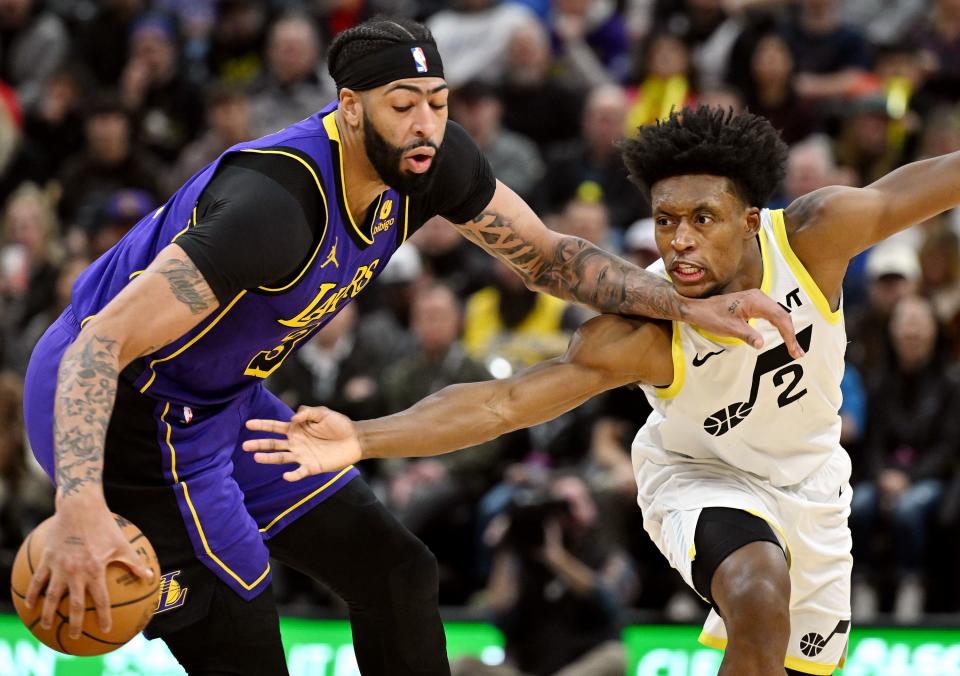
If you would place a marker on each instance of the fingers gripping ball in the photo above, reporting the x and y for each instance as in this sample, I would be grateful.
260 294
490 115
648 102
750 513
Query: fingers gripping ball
132 600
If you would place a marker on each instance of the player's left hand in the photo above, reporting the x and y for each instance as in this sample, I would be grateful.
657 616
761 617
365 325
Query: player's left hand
729 315
317 439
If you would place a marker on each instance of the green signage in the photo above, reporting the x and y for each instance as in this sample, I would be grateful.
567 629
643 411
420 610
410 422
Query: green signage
323 648
674 651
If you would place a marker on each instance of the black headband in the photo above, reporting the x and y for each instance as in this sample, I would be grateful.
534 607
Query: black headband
396 61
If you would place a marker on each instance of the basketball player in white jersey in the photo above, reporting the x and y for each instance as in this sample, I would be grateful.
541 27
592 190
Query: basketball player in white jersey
742 480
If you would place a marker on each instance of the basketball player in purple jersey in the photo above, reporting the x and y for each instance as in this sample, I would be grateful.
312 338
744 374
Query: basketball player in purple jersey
136 396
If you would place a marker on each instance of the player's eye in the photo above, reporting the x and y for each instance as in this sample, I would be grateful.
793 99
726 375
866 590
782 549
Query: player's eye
704 219
438 106
402 109
662 221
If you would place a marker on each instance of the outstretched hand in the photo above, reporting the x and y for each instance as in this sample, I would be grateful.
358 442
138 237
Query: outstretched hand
729 315
317 439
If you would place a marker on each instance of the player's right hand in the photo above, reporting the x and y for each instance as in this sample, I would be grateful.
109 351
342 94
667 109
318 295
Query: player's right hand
83 538
317 439
730 314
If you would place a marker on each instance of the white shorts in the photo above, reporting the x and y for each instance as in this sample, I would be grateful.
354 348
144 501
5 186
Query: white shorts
810 520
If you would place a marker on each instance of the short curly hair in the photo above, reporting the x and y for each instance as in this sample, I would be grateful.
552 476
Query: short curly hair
744 148
372 35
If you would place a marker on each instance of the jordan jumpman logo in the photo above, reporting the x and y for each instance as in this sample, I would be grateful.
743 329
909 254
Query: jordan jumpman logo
332 256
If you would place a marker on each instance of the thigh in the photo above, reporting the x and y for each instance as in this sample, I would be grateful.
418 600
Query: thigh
167 469
272 501
351 542
242 638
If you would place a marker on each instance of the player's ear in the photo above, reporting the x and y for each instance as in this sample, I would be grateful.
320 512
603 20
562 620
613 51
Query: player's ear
751 222
351 107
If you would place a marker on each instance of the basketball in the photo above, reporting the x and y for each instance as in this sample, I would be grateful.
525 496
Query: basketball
132 600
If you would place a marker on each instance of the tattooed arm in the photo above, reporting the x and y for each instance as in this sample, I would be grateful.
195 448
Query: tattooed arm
156 308
574 269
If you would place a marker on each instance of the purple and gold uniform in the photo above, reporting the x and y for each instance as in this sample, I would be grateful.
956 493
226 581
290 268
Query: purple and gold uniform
199 390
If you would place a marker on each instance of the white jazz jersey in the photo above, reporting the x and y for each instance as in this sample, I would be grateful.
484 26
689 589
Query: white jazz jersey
757 411
760 432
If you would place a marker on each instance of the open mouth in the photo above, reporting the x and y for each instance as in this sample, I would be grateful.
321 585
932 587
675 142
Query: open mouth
418 161
687 273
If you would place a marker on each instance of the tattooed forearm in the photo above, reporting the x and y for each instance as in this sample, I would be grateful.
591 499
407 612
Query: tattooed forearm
188 285
577 270
86 388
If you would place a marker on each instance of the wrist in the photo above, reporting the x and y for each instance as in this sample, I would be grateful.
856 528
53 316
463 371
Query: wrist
362 432
89 497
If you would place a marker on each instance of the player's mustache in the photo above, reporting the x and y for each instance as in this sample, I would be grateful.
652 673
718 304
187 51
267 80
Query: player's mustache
420 144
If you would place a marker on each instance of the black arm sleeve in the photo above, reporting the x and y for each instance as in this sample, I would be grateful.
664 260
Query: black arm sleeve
257 222
464 184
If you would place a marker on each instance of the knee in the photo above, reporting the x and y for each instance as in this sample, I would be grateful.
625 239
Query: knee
415 576
752 589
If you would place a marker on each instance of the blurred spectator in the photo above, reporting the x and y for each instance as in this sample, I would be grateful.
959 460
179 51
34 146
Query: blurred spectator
771 90
54 127
162 101
434 497
102 40
722 97
33 44
473 35
108 163
883 22
237 42
26 497
295 86
29 258
590 40
508 327
228 123
665 81
940 280
912 436
589 220
120 211
893 273
591 167
832 57
515 159
640 243
868 141
20 343
810 166
938 40
449 258
536 103
20 160
554 561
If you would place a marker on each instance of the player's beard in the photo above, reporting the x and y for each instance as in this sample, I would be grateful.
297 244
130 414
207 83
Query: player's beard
386 160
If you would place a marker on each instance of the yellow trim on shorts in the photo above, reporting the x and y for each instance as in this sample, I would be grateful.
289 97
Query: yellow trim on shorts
679 367
173 453
326 211
303 500
206 547
766 283
693 552
197 337
779 531
330 124
800 272
193 511
790 662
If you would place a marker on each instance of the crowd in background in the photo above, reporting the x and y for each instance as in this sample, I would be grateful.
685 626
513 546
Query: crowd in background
107 107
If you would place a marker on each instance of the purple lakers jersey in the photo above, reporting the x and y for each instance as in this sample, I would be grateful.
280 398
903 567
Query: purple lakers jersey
250 335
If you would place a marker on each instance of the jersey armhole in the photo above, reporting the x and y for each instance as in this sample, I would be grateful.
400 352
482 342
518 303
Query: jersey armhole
679 367
800 271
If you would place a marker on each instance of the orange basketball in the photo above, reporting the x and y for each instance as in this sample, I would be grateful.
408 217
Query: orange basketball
132 600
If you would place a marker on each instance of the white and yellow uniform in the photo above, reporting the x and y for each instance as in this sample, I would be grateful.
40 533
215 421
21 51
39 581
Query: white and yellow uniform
758 431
